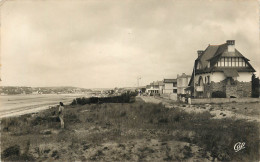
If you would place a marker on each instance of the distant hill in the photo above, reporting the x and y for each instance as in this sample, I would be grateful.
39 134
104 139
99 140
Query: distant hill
12 90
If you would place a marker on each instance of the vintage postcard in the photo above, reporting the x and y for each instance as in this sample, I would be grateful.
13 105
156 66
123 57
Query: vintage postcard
128 80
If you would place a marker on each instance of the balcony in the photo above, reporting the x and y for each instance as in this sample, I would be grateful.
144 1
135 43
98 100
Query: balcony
199 88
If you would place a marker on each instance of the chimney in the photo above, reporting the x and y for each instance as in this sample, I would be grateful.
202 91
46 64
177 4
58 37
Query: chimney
231 45
200 52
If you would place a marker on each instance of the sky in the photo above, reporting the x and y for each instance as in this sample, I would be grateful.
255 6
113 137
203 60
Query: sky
107 44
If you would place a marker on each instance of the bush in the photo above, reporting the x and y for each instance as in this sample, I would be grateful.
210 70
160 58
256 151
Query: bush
128 97
11 151
218 94
71 117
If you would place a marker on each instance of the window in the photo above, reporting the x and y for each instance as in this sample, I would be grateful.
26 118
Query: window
222 62
208 79
243 63
200 81
234 62
227 61
240 62
175 91
231 62
199 66
174 84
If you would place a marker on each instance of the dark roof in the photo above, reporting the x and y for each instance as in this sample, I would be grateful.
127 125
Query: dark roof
209 52
170 81
213 53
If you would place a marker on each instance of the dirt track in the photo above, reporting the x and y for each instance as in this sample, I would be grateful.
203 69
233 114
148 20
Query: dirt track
230 110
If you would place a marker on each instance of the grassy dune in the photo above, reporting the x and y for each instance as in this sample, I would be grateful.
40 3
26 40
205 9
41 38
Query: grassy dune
127 132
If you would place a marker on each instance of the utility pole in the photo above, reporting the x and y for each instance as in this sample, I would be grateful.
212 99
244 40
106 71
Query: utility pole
139 91
194 79
138 78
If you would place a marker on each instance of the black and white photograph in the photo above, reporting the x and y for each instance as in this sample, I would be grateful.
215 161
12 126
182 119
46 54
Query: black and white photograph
129 80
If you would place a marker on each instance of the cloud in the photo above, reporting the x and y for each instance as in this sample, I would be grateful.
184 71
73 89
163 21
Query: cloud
109 43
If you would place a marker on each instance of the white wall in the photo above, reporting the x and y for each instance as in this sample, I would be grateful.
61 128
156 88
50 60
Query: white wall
161 88
173 96
168 88
219 76
167 91
203 77
182 83
244 76
231 48
168 85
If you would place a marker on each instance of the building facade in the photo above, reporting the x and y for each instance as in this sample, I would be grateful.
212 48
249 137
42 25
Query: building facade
221 69
170 86
155 87
182 83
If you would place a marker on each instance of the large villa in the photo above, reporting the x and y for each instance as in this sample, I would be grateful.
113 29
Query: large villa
221 68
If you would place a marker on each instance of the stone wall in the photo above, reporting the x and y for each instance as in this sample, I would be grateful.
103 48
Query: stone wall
236 89
223 100
245 88
231 90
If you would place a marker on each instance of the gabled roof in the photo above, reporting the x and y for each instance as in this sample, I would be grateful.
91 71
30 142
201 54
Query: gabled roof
212 54
209 52
170 81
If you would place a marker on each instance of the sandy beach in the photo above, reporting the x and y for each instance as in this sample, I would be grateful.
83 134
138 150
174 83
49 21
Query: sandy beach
14 105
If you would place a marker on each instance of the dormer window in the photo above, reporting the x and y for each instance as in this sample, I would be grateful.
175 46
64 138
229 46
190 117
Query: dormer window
199 66
231 62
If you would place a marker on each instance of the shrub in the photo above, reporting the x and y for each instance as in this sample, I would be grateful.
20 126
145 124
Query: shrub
11 151
128 97
71 117
218 94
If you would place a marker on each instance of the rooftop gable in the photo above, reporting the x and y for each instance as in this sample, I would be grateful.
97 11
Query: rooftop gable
210 52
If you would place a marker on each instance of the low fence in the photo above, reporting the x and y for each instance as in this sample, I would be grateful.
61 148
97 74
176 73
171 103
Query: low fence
172 96
223 100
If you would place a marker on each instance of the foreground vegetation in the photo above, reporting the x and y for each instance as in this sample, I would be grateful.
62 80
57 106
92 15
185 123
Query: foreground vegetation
128 97
127 132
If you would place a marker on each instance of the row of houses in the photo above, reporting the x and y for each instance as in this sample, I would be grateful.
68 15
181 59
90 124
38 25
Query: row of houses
218 71
169 86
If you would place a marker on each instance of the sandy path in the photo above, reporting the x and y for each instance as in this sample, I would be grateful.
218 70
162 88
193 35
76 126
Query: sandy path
218 114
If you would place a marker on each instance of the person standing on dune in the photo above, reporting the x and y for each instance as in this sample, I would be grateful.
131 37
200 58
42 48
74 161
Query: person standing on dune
61 111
